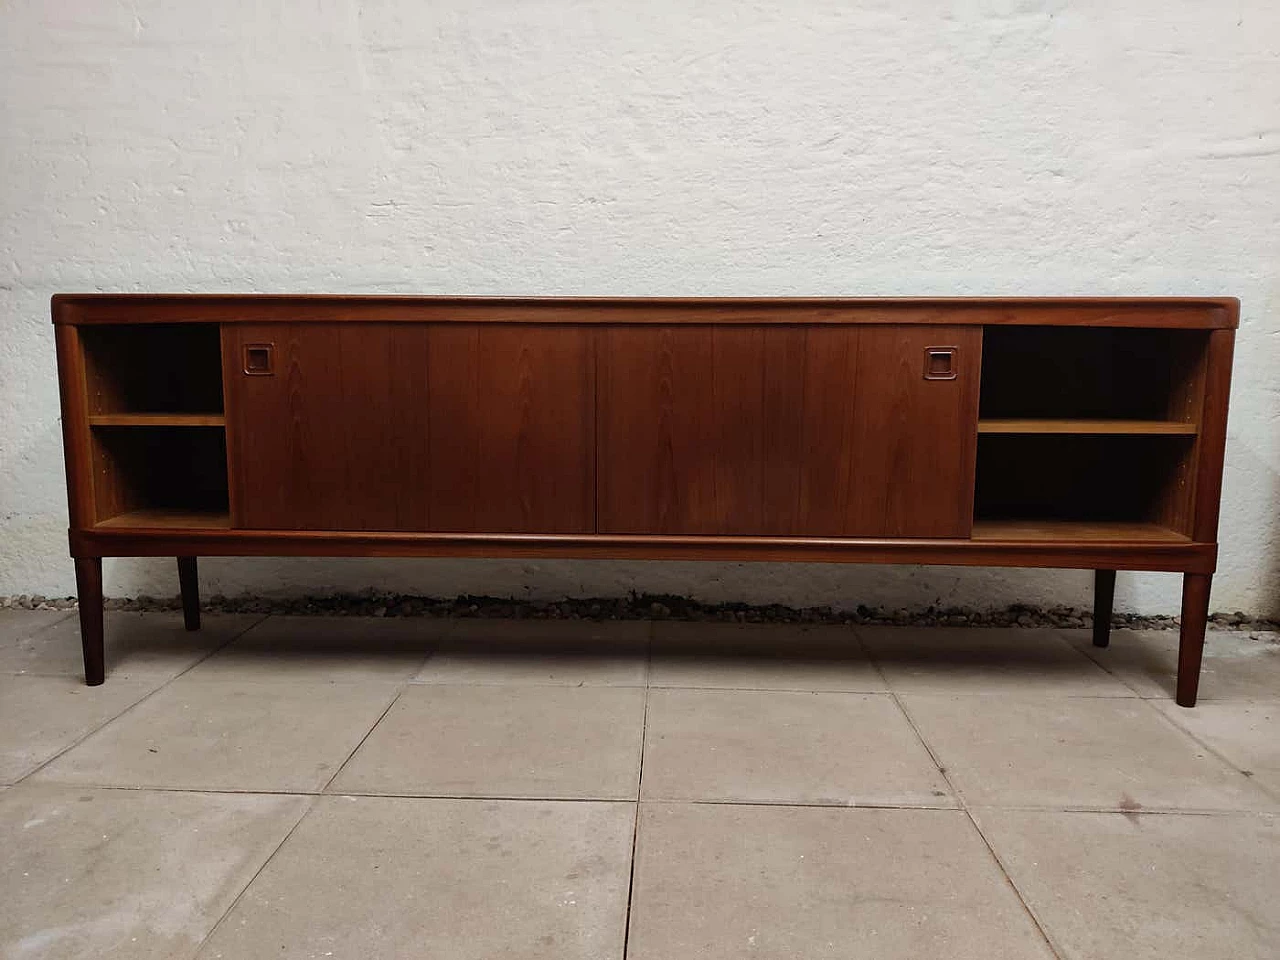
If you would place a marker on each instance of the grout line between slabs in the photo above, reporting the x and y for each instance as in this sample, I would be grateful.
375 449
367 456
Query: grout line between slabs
40 631
1211 750
991 851
1151 700
798 804
1101 665
307 808
665 801
1004 871
1131 693
310 805
875 663
650 637
143 699
635 823
716 688
395 698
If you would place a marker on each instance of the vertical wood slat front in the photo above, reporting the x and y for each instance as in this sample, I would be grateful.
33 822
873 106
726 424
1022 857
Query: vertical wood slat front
387 426
786 431
915 439
512 428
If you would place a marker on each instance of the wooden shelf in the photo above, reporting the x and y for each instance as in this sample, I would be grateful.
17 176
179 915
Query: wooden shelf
1059 530
1072 426
157 420
168 518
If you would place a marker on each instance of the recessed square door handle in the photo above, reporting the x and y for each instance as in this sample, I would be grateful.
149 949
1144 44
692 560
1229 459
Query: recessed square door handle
259 359
940 363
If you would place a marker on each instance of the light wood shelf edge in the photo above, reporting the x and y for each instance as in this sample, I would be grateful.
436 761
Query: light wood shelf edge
157 420
165 518
997 426
1074 530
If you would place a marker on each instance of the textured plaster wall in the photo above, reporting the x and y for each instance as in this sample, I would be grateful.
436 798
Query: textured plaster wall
717 148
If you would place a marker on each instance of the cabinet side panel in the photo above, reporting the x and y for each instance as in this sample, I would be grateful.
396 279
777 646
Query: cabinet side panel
1184 401
917 436
1213 435
75 426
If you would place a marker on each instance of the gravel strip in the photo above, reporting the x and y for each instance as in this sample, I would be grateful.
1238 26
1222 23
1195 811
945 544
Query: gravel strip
646 607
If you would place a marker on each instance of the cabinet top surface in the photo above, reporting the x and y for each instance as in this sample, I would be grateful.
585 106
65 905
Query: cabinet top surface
1170 312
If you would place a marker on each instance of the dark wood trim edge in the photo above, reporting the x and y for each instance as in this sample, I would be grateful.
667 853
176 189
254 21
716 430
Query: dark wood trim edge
1156 312
1135 555
75 426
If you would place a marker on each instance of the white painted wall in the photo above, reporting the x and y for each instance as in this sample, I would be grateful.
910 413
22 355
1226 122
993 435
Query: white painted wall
718 148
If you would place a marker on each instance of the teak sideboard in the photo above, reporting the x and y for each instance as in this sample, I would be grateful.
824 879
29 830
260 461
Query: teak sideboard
1084 433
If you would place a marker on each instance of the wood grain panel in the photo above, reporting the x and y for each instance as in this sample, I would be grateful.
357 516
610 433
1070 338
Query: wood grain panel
656 438
820 430
512 428
783 450
827 385
699 429
914 440
335 438
388 463
414 427
735 452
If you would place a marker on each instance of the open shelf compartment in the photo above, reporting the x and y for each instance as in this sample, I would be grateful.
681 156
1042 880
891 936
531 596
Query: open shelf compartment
161 473
157 427
153 369
1088 433
1093 374
1083 487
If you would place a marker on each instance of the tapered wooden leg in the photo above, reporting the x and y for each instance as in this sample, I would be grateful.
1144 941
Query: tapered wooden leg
189 583
89 592
1195 617
1104 593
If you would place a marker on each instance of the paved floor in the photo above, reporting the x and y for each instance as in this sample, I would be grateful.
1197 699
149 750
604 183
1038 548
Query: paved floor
296 787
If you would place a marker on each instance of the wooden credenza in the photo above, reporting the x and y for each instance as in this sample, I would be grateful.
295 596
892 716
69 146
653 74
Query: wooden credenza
1082 433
